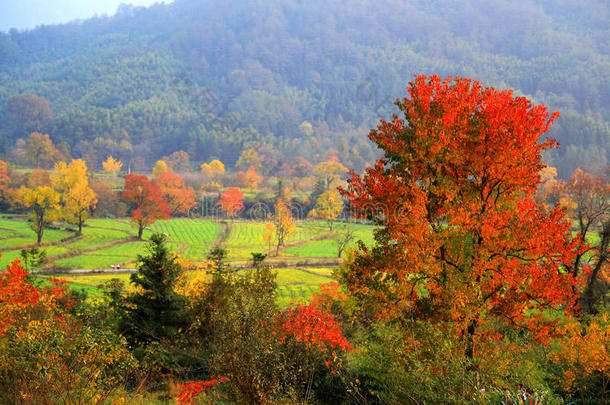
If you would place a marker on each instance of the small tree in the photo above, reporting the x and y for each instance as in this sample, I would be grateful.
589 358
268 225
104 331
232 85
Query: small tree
218 256
180 198
155 311
146 198
4 188
231 201
33 258
40 150
76 195
44 202
159 169
343 239
111 165
284 224
328 207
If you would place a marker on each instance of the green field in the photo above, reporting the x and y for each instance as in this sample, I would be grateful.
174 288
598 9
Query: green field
107 242
294 284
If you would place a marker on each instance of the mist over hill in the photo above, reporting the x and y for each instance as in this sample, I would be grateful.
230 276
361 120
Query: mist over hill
212 78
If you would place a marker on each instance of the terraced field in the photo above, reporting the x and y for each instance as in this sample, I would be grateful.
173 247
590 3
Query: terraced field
328 248
247 237
105 242
195 235
14 234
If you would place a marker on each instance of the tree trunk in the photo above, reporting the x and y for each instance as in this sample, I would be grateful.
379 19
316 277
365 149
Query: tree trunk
140 231
589 297
39 224
470 331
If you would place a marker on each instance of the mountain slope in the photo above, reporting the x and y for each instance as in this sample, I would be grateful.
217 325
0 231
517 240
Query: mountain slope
211 78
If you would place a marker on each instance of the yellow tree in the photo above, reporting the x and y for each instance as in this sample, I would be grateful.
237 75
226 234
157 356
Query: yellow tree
212 170
328 207
76 195
249 157
330 171
111 165
159 169
206 171
284 224
44 202
217 167
584 351
269 234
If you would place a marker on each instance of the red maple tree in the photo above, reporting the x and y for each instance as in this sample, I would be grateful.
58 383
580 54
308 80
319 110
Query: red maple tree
147 201
462 240
180 198
231 201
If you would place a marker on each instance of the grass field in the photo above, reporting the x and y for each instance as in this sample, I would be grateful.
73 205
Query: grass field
105 242
328 247
294 284
197 234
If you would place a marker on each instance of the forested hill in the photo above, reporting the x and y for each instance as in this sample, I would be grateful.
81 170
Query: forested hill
211 77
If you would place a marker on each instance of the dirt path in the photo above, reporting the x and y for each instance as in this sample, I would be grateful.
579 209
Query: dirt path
301 242
222 236
77 252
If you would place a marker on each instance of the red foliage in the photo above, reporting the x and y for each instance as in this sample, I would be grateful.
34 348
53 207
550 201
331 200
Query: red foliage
180 198
18 295
316 328
147 200
191 389
16 292
329 293
454 195
231 201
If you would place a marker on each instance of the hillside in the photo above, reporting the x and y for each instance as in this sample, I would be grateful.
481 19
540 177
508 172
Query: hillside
211 78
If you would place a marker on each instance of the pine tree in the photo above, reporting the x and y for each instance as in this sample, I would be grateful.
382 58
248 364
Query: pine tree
155 311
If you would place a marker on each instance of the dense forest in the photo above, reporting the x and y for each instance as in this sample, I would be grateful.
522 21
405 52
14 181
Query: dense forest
293 78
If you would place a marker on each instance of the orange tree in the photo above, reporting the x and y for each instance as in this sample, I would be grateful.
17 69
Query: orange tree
462 241
180 198
148 204
231 201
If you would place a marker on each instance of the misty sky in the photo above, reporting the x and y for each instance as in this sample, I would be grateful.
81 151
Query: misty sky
23 14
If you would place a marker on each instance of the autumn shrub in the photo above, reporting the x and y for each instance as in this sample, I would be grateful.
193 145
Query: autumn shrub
267 354
54 361
412 362
47 354
580 359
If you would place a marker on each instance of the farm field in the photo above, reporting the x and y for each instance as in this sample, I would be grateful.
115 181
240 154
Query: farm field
293 284
107 242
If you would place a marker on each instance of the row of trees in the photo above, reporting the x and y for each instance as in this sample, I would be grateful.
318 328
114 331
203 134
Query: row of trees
66 193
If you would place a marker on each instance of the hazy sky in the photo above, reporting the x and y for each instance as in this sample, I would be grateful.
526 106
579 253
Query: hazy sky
23 14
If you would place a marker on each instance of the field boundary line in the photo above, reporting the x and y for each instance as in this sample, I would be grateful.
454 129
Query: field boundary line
78 252
325 236
70 238
305 270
